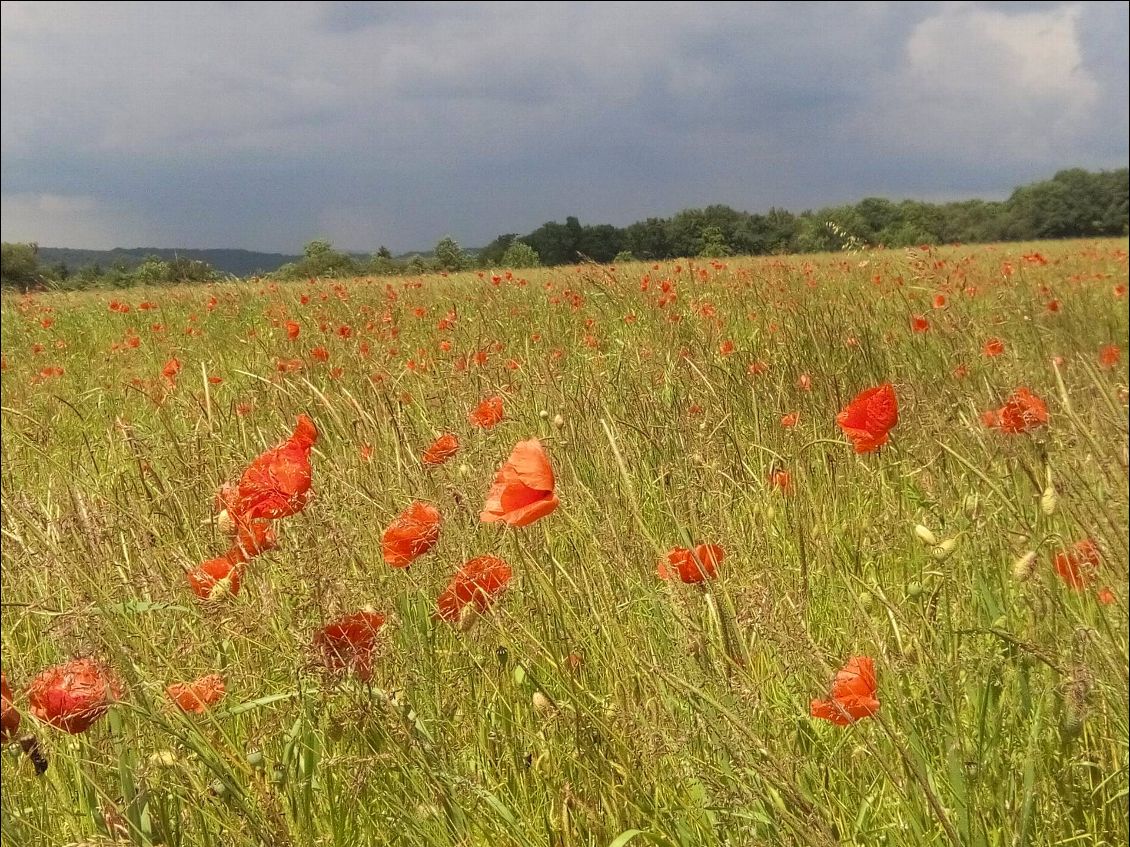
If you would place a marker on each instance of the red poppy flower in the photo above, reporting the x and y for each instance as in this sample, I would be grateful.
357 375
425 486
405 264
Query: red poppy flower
347 643
804 382
919 323
1109 355
1078 566
442 449
781 480
478 582
869 418
199 695
993 347
277 483
1023 411
253 537
216 578
790 420
171 369
939 301
9 714
72 696
414 532
292 329
487 413
692 566
1106 597
523 489
853 694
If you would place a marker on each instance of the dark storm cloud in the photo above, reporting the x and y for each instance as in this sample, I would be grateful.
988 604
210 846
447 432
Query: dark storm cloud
263 126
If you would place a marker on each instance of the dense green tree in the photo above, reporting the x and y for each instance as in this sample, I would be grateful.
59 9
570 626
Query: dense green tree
449 255
520 255
19 265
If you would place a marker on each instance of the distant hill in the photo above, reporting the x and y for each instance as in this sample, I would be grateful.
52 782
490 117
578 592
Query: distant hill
237 262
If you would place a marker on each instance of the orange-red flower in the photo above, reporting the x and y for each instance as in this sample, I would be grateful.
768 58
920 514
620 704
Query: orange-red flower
252 537
171 369
487 413
993 347
1023 411
868 419
1109 354
1078 566
919 323
853 694
412 534
691 566
781 480
292 330
523 489
216 578
478 582
199 695
790 420
277 483
442 449
347 643
9 714
72 696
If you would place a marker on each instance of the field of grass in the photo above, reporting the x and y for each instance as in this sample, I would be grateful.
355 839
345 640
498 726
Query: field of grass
592 703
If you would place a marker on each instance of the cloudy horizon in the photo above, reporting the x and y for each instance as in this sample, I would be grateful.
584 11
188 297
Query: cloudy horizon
262 126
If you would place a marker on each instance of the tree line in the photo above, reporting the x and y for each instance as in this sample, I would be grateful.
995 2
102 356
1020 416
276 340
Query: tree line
1074 203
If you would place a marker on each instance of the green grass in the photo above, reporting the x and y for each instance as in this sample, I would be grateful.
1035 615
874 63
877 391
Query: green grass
686 720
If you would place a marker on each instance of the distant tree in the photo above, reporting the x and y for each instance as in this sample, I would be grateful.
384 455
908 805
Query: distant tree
712 243
491 255
449 255
317 248
384 253
19 265
623 257
520 255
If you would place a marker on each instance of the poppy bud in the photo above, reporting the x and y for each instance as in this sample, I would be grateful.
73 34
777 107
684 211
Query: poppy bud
544 415
225 523
558 421
971 505
464 469
925 535
543 705
163 759
914 590
1049 500
1024 567
943 549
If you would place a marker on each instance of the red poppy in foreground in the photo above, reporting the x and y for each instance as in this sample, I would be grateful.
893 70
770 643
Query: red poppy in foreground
253 537
442 449
199 695
868 419
9 714
1078 566
277 483
853 694
487 413
347 644
216 578
1109 355
1022 412
523 489
412 534
993 347
692 566
478 582
72 696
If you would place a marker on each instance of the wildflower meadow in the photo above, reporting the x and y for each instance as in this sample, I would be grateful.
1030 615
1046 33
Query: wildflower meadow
800 550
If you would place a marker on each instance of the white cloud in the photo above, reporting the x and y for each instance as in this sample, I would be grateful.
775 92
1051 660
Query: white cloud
979 85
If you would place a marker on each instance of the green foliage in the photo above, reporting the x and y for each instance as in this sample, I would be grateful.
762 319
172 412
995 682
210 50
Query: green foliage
449 255
712 243
19 265
520 255
623 257
320 259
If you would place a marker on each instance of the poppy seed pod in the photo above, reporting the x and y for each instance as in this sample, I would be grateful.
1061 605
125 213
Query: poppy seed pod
943 549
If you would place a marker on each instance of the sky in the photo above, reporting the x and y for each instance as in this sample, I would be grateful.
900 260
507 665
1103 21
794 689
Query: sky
264 125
